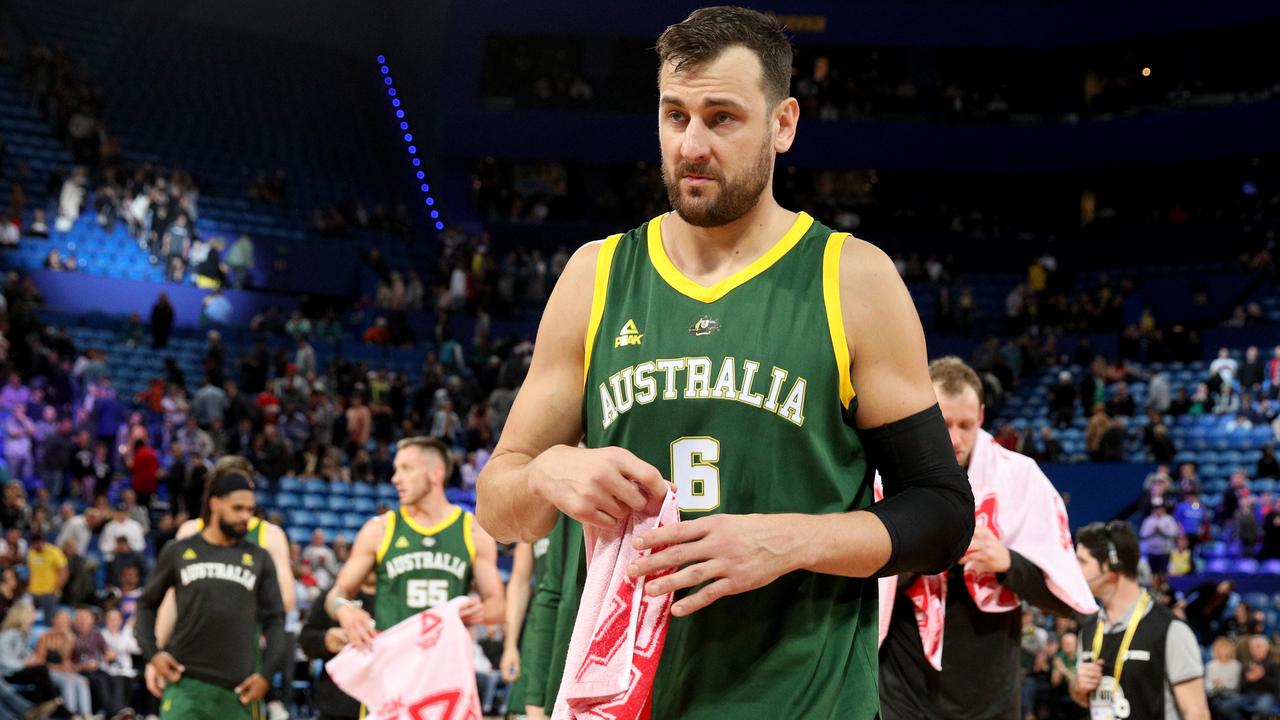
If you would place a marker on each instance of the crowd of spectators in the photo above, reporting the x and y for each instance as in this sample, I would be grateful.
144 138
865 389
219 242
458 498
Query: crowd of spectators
85 469
971 85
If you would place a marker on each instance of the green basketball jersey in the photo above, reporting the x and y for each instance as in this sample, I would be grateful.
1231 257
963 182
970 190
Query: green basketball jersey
740 394
421 568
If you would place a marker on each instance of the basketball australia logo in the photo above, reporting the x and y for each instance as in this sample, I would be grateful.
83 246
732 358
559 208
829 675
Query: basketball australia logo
704 326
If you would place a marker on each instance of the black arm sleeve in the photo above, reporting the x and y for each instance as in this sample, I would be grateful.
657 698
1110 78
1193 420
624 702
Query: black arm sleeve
1027 580
928 504
271 617
311 638
149 602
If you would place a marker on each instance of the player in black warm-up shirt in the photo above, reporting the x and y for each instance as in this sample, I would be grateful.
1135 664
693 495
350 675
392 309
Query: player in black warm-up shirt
979 677
227 596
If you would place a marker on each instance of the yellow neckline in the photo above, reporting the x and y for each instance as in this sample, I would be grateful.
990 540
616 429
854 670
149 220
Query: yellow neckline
451 519
683 285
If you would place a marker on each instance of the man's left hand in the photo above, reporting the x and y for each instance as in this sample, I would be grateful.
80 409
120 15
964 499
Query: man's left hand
733 553
253 688
986 553
472 612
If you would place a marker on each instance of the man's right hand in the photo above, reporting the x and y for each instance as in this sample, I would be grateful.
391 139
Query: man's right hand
358 625
162 670
1089 676
335 639
598 486
510 664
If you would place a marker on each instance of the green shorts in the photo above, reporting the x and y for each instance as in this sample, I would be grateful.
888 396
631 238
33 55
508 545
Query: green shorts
192 699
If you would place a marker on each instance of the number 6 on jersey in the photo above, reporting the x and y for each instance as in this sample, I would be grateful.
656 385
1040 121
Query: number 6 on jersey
695 474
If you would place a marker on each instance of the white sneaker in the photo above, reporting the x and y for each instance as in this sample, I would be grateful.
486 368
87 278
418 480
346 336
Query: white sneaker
277 711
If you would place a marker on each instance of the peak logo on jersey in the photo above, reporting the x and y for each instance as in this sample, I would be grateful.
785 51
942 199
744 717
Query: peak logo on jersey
402 543
189 554
629 335
704 326
428 542
246 559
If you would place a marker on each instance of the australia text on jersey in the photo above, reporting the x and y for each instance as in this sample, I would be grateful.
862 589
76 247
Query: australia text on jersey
427 560
638 384
218 571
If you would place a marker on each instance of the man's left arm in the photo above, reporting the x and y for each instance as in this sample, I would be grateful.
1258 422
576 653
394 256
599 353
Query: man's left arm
926 520
1184 670
1026 580
271 618
278 547
487 580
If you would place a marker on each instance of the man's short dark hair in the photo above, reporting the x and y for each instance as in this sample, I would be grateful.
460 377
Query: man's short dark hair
426 443
700 38
1114 545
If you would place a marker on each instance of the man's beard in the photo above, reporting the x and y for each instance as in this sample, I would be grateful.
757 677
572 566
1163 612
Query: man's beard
735 198
232 530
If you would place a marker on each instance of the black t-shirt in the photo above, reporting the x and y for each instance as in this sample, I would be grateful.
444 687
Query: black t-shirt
228 596
980 653
329 699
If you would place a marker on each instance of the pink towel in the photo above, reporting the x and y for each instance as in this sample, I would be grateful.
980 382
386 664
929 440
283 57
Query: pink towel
1014 499
618 635
421 669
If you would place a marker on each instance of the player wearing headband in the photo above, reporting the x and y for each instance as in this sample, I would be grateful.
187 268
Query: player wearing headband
227 596
260 533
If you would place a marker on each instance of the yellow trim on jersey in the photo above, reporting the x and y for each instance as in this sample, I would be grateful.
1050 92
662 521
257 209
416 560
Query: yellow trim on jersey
413 524
835 313
701 293
253 525
467 522
387 535
262 534
604 261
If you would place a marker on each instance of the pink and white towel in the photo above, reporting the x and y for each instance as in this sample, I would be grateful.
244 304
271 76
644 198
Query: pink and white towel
619 632
1013 499
421 669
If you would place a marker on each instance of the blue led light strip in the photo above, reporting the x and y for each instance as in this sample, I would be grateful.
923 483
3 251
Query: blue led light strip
410 148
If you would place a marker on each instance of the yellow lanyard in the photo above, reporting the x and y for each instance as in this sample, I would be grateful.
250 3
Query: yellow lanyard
1134 619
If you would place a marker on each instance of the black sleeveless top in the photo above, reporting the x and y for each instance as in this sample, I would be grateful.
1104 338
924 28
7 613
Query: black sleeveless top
1143 680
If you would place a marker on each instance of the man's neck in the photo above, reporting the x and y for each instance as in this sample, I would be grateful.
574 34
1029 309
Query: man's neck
431 509
213 535
711 251
1122 600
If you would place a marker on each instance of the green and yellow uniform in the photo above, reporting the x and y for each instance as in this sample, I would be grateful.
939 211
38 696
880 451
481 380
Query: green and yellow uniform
739 394
529 663
422 567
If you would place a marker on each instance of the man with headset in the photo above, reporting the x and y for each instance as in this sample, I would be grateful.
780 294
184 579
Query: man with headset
1136 659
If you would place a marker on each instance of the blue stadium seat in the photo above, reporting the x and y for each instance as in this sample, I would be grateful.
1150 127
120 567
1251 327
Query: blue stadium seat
1245 565
365 505
387 491
299 534
459 495
328 520
304 518
1218 565
363 490
340 488
288 483
354 520
287 500
312 501
338 504
1258 600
